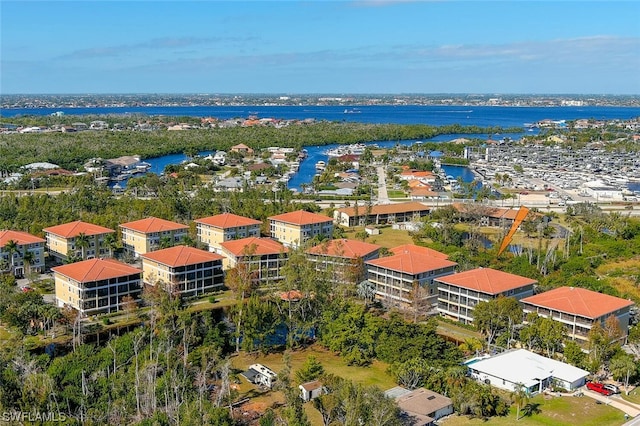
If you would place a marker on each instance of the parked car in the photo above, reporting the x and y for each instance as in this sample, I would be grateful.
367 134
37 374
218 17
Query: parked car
599 387
612 388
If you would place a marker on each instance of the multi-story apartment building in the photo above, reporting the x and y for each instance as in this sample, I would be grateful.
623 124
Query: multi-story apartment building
150 234
14 246
459 293
77 239
579 309
406 278
343 259
217 229
294 229
261 258
381 214
184 270
96 286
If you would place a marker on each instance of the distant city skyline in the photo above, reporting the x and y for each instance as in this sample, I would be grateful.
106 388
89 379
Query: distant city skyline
359 46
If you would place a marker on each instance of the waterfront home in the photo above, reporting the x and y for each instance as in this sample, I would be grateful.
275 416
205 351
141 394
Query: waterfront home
14 246
380 214
343 259
242 149
578 309
458 294
185 270
150 234
213 230
96 286
294 229
406 278
77 240
261 258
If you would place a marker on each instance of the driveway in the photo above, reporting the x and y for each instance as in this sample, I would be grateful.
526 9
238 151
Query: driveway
615 401
383 196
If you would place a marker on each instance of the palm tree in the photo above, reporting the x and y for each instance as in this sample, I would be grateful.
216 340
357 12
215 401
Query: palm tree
520 398
28 260
111 242
11 247
82 241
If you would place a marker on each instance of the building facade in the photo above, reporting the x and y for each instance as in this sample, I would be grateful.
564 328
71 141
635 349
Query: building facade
96 286
77 239
578 309
150 234
184 270
458 294
406 278
14 246
261 258
294 229
213 230
343 259
380 214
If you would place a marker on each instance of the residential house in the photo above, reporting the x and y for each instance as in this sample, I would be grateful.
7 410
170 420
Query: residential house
96 286
521 368
578 309
14 246
459 293
380 214
77 240
150 234
242 149
406 278
213 230
262 258
343 259
294 229
185 270
421 405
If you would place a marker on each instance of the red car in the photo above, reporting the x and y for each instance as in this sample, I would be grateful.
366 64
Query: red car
599 387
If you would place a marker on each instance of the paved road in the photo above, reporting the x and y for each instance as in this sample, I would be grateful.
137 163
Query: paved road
383 196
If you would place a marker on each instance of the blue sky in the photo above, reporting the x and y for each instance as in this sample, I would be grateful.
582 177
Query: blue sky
368 46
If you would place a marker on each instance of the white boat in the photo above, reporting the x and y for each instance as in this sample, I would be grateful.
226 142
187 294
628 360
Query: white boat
320 165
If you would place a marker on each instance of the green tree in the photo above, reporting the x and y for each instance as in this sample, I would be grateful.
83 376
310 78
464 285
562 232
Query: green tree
497 316
82 242
11 247
310 370
624 368
520 398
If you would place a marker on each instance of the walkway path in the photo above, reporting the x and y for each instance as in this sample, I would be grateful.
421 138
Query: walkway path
383 196
630 408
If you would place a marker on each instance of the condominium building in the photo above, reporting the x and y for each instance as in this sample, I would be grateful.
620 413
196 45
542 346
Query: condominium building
185 270
579 309
213 230
380 214
96 286
406 278
262 258
150 234
296 228
77 240
459 293
14 246
343 258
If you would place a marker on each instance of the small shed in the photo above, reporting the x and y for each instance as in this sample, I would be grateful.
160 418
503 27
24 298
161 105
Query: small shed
371 230
311 390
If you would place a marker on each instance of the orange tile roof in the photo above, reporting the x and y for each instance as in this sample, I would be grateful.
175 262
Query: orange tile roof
406 248
227 220
412 206
291 296
343 247
411 263
153 224
578 301
254 245
423 192
73 229
19 237
487 280
95 270
181 256
301 217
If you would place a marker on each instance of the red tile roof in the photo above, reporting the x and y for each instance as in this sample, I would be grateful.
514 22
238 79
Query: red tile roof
19 237
73 229
579 301
95 270
413 206
254 246
411 262
181 256
418 249
344 248
153 224
228 220
301 217
487 280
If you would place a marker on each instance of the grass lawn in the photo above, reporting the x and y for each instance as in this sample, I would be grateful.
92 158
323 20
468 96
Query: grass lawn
4 333
456 332
554 411
634 395
388 237
392 193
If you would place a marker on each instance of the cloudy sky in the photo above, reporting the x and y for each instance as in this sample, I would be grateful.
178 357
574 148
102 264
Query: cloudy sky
359 46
